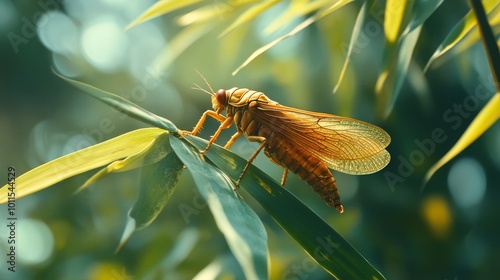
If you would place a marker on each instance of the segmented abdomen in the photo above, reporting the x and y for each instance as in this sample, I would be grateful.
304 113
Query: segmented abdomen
289 155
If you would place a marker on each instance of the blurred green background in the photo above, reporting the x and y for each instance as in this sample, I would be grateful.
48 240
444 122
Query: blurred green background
445 230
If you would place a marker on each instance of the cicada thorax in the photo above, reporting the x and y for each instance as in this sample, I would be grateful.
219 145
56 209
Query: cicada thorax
279 149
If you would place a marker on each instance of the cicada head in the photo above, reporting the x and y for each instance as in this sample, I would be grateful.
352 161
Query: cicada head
219 100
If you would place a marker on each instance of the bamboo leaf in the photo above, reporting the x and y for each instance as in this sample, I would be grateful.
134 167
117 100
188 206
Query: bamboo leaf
81 161
158 182
249 15
296 30
488 115
391 80
160 8
463 27
394 18
323 244
155 151
356 31
123 105
242 228
205 14
422 10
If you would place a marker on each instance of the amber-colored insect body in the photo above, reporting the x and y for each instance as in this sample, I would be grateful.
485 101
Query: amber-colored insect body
307 143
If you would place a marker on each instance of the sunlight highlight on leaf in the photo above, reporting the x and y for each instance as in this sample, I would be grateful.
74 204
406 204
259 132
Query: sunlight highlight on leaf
249 15
484 120
155 151
214 11
395 11
463 27
81 161
296 8
160 8
296 30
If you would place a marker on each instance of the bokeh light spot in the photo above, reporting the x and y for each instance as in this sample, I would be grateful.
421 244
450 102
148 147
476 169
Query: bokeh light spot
104 44
467 182
58 32
436 213
35 241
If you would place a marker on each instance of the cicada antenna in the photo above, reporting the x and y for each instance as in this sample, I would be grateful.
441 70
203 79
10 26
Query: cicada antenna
206 82
197 87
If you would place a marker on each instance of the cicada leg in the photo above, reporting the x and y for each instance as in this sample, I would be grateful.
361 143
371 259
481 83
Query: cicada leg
283 179
262 141
225 123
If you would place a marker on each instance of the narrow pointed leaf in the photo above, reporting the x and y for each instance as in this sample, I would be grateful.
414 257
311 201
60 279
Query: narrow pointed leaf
160 8
323 244
422 10
356 31
155 151
81 161
460 30
391 80
242 228
296 30
205 14
249 15
123 105
488 115
394 18
158 182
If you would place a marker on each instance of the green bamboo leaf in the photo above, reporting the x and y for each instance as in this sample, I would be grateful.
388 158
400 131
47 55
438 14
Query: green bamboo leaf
242 228
463 27
123 105
155 151
422 10
296 30
161 8
158 182
81 161
323 244
391 80
484 120
356 31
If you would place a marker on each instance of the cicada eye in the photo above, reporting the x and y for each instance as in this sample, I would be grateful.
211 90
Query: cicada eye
220 95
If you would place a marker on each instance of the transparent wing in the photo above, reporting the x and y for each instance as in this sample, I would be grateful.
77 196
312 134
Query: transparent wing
344 144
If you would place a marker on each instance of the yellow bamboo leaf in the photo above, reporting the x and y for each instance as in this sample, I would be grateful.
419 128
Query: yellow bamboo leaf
296 30
488 115
160 8
81 161
393 19
297 8
205 14
249 14
153 152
